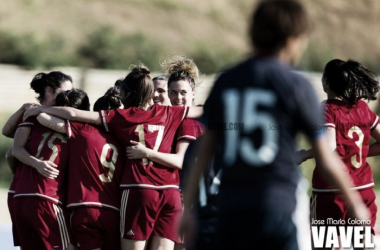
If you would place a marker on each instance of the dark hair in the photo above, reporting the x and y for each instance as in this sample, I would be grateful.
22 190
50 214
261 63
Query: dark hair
139 83
275 21
110 100
160 77
53 80
75 98
118 83
350 80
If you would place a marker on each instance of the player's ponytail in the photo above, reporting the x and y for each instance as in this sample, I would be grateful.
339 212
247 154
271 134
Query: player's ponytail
110 101
140 86
350 80
181 68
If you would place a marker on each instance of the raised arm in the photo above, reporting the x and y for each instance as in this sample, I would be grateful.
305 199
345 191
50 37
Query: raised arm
45 168
10 126
195 112
52 122
175 161
66 113
12 161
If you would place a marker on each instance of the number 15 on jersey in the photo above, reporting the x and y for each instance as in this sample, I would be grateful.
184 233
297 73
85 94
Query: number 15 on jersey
241 142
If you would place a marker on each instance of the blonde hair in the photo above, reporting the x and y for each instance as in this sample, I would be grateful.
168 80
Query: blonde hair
181 68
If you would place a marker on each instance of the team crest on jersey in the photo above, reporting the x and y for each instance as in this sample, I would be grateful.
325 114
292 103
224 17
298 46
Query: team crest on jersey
332 233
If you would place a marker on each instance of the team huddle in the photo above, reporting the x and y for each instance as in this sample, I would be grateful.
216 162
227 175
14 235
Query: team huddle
112 178
71 167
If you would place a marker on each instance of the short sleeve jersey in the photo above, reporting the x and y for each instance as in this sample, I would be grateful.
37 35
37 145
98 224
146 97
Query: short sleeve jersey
353 125
189 129
95 166
255 110
47 145
154 128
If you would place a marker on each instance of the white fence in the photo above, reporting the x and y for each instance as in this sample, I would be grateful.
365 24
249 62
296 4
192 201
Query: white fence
15 84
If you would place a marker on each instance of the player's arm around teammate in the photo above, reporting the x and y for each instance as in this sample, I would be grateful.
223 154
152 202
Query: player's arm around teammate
30 184
181 86
88 116
10 127
95 165
47 86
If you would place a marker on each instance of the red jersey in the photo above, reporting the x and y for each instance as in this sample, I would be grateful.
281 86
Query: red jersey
189 129
154 128
95 166
47 145
353 127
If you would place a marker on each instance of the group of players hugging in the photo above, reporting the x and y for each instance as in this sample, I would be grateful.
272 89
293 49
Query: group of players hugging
146 169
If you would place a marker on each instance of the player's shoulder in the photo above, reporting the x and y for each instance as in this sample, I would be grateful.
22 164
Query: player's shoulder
264 70
192 123
362 105
82 126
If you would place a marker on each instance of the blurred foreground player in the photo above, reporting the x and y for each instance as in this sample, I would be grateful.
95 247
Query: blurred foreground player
205 206
254 112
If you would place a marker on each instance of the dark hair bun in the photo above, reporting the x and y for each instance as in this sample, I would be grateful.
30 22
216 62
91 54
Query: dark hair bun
113 98
37 84
110 101
141 69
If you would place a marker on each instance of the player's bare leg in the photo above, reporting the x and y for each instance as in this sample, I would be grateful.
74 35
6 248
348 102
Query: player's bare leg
160 243
132 244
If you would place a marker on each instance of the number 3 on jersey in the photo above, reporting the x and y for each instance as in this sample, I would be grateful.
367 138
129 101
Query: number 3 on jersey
359 143
240 142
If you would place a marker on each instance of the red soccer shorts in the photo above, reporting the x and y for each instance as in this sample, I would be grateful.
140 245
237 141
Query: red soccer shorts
333 205
96 228
146 212
41 224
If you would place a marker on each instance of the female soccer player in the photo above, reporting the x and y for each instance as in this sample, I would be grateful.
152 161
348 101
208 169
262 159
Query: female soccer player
350 124
181 84
161 90
147 186
47 86
40 192
95 166
183 79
